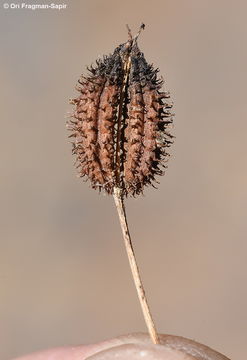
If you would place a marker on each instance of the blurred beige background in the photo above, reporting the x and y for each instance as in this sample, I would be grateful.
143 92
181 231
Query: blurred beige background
64 275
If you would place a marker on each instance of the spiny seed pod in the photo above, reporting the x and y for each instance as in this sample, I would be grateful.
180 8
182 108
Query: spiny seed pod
120 122
120 135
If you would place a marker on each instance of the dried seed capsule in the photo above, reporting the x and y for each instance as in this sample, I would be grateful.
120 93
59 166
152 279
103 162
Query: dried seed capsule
120 125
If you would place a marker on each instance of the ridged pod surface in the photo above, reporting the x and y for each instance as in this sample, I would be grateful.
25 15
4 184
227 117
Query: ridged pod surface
120 122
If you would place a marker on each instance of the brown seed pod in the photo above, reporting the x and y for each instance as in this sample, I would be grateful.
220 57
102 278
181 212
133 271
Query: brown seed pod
120 123
120 135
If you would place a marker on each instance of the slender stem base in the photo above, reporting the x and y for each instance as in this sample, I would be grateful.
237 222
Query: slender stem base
133 265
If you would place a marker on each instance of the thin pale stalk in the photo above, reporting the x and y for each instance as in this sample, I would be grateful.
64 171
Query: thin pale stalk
133 265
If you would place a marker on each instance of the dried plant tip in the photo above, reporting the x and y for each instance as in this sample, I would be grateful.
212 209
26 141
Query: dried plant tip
120 125
120 131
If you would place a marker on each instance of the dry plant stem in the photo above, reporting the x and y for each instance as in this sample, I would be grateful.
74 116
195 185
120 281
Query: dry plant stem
133 265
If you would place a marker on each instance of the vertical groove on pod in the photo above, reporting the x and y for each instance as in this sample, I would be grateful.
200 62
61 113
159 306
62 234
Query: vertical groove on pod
119 152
